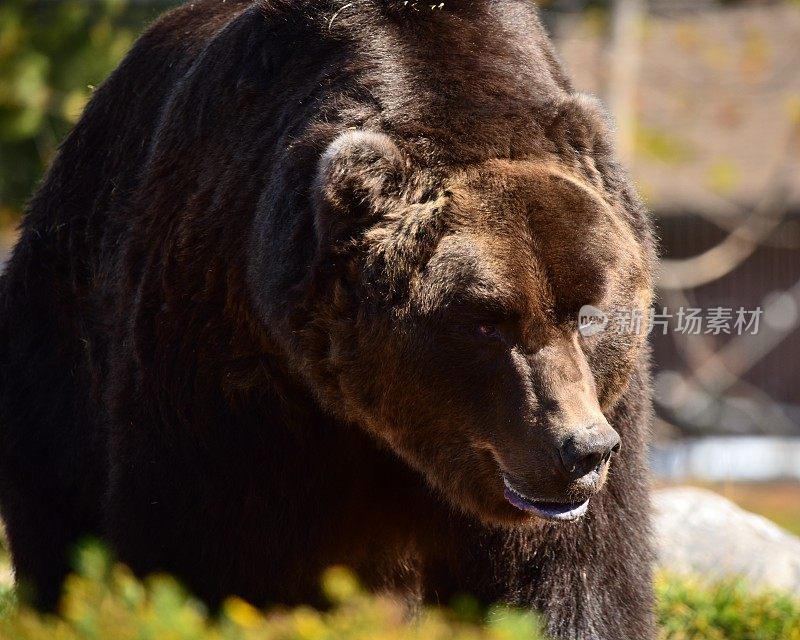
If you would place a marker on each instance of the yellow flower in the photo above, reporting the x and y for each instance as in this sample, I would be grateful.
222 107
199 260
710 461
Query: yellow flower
242 613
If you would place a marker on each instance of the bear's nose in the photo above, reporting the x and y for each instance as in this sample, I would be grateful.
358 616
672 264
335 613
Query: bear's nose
586 449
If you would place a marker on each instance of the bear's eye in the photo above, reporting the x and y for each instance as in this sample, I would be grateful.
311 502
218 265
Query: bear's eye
488 330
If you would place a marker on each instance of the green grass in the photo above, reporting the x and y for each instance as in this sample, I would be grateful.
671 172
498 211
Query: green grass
103 601
689 609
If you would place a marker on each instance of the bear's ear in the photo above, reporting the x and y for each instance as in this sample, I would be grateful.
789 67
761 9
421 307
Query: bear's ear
582 122
359 179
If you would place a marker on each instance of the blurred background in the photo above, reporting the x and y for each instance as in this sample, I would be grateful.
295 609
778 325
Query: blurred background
706 96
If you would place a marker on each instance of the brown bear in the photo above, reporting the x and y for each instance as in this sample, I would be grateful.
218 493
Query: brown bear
302 289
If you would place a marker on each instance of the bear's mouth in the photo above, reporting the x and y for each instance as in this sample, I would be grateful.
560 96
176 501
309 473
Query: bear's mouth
553 511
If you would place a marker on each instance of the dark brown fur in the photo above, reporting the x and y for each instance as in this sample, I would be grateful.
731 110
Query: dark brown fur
238 342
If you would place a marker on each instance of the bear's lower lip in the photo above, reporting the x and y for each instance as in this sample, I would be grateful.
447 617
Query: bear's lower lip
553 511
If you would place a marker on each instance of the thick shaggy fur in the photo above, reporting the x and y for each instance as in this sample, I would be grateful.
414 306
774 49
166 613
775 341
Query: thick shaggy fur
235 335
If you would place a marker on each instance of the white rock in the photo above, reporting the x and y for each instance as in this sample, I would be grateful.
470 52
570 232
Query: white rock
700 532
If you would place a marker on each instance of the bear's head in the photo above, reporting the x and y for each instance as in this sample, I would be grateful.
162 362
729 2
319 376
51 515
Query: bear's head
441 315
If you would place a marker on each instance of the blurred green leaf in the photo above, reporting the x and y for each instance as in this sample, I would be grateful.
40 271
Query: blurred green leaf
51 54
723 176
662 146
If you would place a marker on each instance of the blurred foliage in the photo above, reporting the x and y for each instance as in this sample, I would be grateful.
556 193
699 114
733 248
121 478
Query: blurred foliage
662 146
688 609
723 176
52 54
104 601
